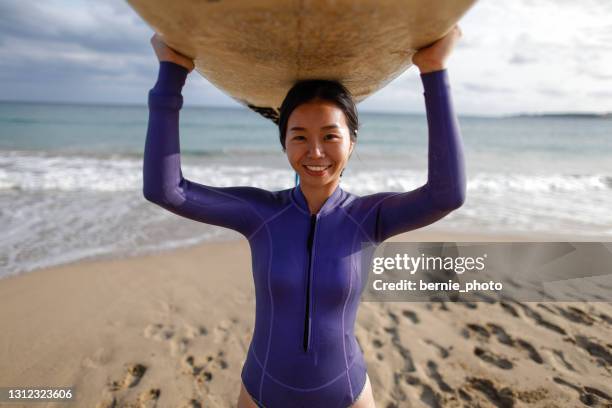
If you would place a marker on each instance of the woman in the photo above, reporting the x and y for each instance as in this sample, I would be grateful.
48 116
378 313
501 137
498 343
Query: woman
305 241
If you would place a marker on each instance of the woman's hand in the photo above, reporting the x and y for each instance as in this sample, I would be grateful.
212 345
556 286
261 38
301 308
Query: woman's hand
165 53
433 57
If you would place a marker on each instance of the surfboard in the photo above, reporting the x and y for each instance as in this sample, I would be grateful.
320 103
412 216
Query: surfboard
255 51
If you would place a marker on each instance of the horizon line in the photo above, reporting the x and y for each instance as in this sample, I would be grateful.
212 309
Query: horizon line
589 114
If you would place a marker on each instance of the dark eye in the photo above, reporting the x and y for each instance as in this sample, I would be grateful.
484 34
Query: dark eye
331 136
298 137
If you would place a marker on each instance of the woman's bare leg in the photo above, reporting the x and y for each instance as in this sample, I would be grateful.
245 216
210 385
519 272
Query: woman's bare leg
366 399
244 399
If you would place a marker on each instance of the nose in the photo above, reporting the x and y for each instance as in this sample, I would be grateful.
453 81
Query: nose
315 150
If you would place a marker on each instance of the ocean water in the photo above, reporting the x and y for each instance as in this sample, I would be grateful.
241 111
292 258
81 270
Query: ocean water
71 176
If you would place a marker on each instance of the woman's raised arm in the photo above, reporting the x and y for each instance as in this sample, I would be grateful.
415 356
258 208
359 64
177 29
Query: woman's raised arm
390 214
163 181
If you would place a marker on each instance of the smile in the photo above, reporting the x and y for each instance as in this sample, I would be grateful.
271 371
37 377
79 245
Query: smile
317 168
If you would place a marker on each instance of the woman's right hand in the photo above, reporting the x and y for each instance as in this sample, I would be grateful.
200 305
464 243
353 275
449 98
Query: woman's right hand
165 53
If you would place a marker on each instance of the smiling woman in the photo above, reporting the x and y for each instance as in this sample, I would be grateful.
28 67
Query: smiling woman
318 130
306 242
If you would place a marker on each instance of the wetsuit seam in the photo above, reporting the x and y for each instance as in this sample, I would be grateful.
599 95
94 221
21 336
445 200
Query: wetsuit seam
376 225
360 392
348 296
358 225
327 384
377 204
296 204
265 222
194 202
263 374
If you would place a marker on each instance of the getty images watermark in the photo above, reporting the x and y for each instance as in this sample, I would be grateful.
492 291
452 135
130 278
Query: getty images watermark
476 271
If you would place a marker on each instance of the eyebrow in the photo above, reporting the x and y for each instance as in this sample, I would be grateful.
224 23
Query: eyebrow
323 127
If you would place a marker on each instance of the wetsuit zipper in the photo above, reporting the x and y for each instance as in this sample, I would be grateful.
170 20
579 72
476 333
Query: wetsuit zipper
307 317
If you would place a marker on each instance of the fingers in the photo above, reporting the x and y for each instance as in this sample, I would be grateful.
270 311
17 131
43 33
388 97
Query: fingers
155 39
457 32
166 53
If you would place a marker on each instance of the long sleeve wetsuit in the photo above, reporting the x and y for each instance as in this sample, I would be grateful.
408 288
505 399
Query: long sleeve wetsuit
306 267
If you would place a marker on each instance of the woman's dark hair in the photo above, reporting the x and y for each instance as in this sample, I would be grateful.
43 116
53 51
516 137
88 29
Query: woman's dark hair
306 91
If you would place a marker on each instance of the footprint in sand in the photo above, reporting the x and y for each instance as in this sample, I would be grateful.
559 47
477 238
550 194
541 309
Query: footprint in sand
191 332
192 403
178 346
480 332
203 371
100 357
148 399
539 320
501 398
403 351
434 374
508 308
444 352
501 334
159 331
492 358
428 396
592 346
605 318
223 330
560 361
133 374
410 315
393 317
575 315
504 338
587 395
168 333
531 351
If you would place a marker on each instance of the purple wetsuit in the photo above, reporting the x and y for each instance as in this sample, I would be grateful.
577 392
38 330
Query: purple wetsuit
306 267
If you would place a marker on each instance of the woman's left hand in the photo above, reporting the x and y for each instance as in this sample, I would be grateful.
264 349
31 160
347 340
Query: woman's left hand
433 57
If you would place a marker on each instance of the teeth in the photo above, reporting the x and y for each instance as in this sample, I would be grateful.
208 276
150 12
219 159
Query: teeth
317 168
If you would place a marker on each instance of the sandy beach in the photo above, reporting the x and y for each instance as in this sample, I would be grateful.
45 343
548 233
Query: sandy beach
172 330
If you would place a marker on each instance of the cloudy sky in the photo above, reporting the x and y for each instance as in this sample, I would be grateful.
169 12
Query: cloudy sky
515 57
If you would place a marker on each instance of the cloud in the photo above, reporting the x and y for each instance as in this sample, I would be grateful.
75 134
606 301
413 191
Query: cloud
601 94
522 59
482 88
97 26
590 72
554 92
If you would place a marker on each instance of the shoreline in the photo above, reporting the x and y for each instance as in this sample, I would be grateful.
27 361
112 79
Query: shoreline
426 234
173 329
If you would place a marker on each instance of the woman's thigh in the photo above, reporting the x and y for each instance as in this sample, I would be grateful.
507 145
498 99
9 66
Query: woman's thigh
366 399
244 399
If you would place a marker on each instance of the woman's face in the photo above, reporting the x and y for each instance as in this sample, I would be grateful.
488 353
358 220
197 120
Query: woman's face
318 142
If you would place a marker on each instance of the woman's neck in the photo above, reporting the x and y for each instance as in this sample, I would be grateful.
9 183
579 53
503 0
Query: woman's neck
317 195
